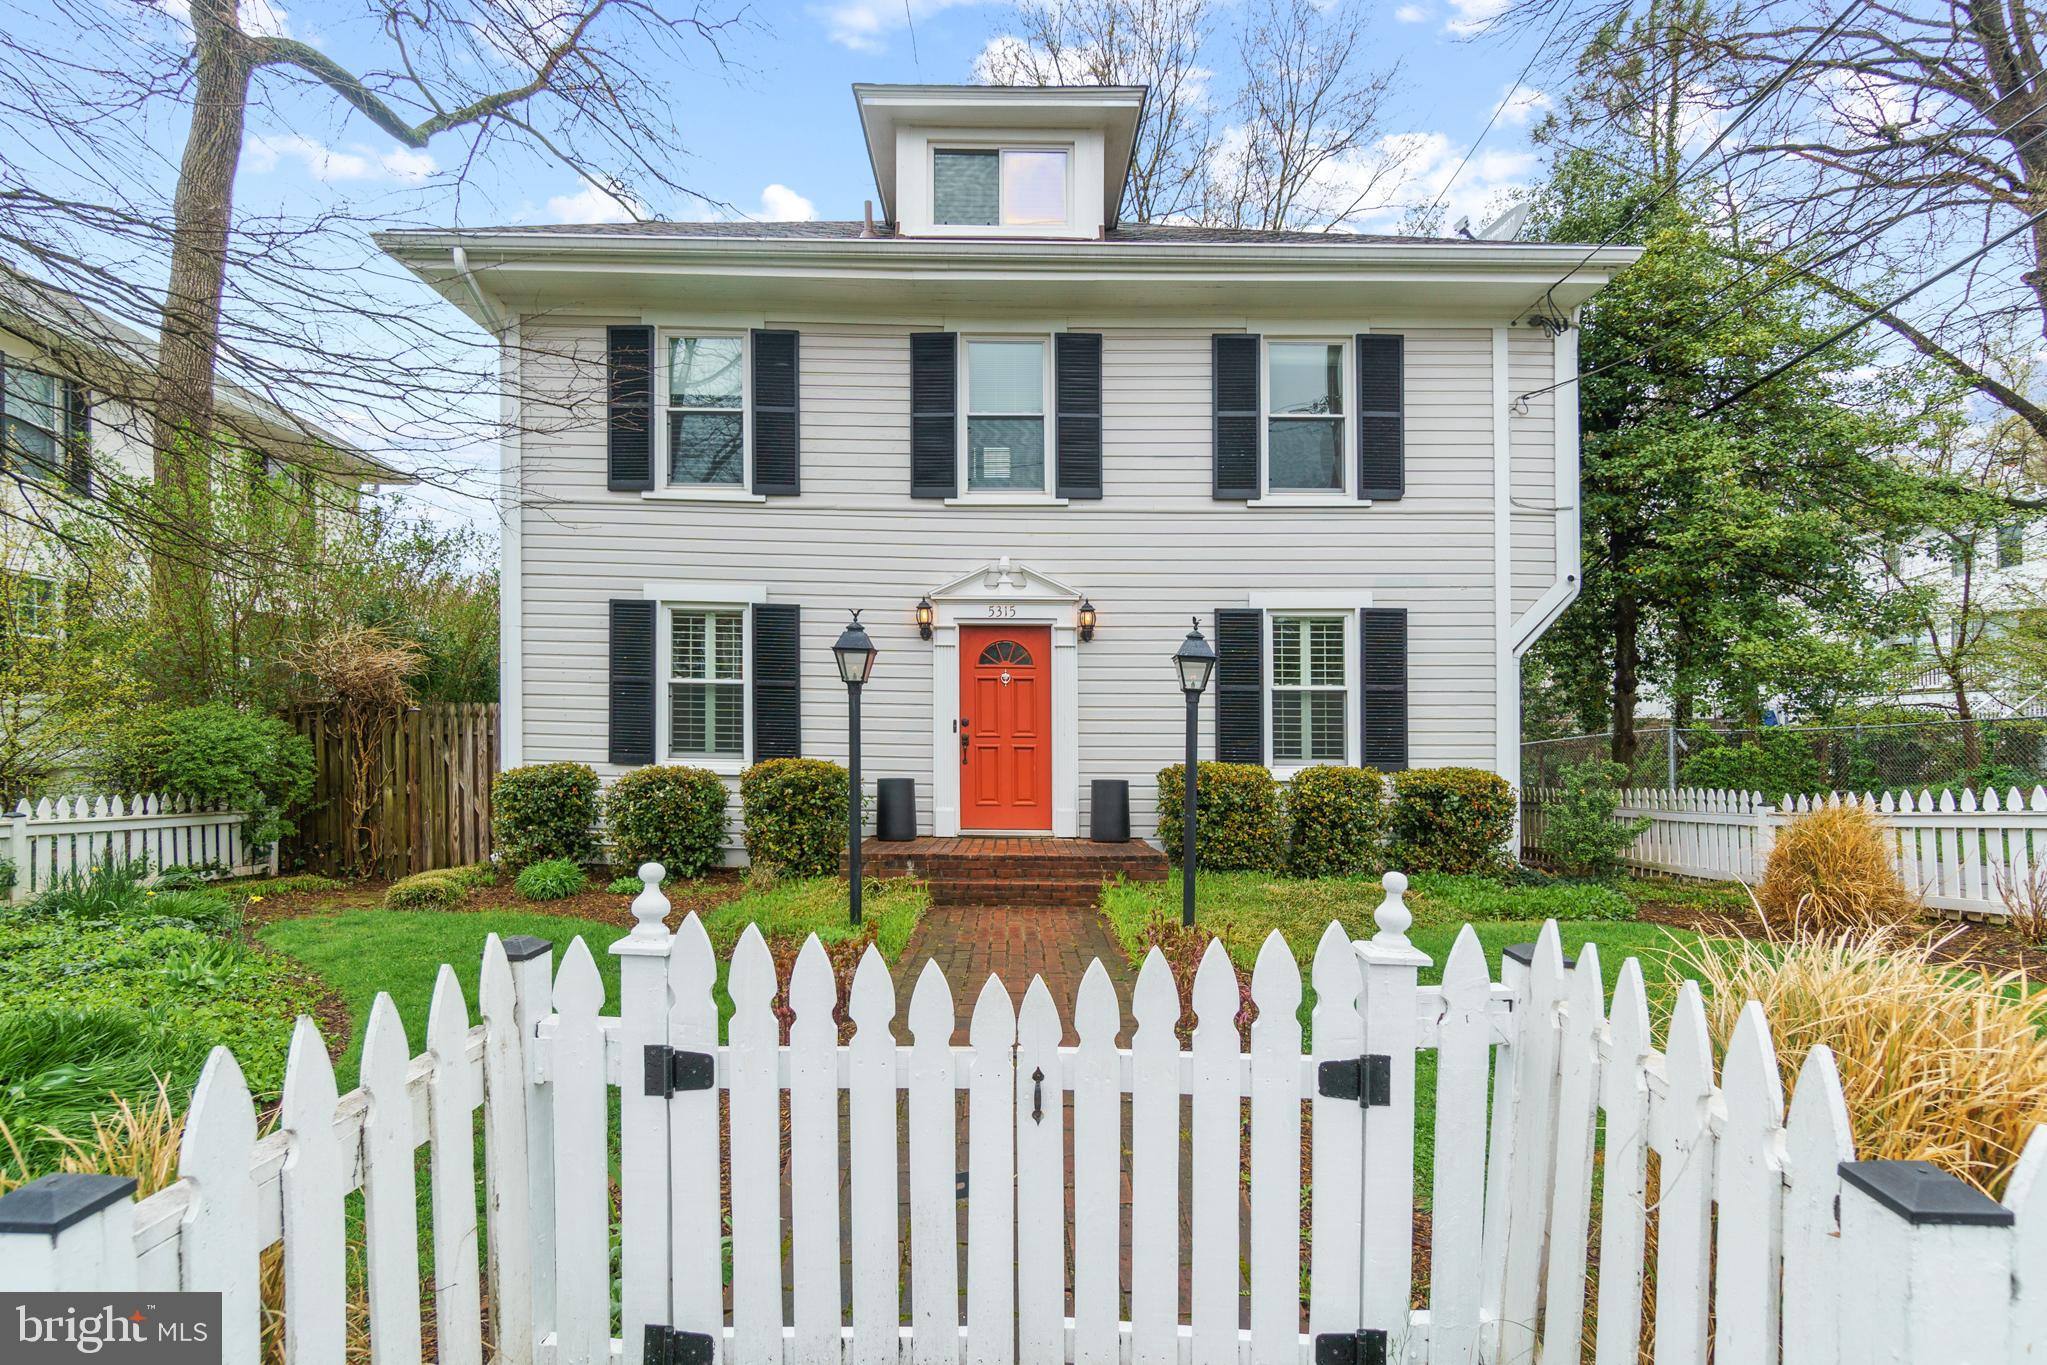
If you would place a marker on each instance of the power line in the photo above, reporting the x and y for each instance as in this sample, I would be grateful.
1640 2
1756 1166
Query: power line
1563 9
1874 313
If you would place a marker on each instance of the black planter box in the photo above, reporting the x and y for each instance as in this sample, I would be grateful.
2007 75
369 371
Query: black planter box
895 809
1109 811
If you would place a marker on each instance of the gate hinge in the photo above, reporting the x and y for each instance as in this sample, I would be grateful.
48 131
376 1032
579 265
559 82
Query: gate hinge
671 1069
666 1346
1367 1347
1367 1079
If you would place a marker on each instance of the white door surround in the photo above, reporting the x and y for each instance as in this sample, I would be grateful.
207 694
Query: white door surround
1005 593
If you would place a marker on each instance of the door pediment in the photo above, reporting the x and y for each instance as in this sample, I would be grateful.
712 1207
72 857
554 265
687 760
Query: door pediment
1005 580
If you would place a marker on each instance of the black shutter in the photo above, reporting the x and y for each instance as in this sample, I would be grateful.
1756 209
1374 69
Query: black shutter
1240 685
77 439
632 680
1236 416
777 466
1077 385
934 415
777 681
1382 423
629 387
1382 691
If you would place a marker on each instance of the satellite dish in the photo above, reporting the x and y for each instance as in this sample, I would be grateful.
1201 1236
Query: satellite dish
1463 229
1506 227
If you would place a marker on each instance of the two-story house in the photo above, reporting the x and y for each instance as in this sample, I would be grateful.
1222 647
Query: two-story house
1029 443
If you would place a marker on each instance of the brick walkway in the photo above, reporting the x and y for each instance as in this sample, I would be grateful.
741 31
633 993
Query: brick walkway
970 942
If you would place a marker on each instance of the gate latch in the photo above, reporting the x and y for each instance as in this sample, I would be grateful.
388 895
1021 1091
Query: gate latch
1367 1079
671 1069
666 1346
1367 1347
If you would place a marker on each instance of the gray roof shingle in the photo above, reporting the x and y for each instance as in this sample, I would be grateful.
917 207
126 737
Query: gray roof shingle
1164 234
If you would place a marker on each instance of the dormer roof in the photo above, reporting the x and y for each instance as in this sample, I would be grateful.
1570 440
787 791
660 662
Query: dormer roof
1109 110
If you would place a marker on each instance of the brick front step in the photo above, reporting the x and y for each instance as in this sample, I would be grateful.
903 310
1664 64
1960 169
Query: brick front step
1048 874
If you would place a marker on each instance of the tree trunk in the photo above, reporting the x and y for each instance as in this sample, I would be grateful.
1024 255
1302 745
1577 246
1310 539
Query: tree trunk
181 428
1627 660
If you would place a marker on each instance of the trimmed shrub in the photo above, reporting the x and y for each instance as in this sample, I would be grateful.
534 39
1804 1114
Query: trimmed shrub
667 815
1830 872
1776 762
1338 819
544 810
440 889
795 810
1580 832
1241 826
551 880
1450 820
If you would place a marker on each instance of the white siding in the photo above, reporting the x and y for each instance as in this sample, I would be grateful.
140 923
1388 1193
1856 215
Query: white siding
1156 549
1531 357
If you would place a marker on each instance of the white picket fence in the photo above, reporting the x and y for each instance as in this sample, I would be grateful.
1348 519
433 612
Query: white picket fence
1955 852
1763 1222
73 835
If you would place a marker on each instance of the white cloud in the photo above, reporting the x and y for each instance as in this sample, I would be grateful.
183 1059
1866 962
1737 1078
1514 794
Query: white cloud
259 18
865 25
1411 14
1475 15
1425 163
262 155
587 205
403 163
780 204
1522 103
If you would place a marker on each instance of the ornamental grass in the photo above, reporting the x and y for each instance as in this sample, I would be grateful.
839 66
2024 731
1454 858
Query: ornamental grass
1830 872
1937 1064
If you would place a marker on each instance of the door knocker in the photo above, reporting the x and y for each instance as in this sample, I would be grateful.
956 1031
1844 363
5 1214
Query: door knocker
1005 678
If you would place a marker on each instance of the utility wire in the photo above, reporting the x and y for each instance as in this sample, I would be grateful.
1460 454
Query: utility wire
1874 313
1563 10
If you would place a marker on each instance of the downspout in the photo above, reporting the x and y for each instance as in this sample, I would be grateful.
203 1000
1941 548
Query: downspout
489 314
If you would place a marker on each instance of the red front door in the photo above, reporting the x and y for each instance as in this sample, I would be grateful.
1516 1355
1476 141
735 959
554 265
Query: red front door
1006 727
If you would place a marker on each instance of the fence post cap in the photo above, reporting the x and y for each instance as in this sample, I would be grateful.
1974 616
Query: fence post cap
525 947
650 907
55 1202
1924 1195
1393 917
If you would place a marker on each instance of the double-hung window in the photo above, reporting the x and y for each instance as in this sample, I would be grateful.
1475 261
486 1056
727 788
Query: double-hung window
1006 416
999 186
1304 436
707 683
33 603
1310 689
2011 546
706 401
32 422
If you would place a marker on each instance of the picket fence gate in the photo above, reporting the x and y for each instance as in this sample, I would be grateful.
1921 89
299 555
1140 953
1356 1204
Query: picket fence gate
1767 1234
71 836
1956 852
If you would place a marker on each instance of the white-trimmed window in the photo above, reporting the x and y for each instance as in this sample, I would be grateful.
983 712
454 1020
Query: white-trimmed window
1008 394
706 658
704 392
33 601
1000 186
1306 383
1311 685
32 422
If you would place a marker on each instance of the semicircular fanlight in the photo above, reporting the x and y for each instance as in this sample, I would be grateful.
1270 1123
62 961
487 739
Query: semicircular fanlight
1006 652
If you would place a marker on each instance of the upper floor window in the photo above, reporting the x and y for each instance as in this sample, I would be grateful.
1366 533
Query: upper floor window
1304 440
31 600
706 411
999 187
1006 416
2011 546
32 421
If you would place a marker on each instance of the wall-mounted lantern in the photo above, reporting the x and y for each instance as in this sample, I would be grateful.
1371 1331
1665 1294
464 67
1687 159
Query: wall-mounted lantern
924 617
1087 619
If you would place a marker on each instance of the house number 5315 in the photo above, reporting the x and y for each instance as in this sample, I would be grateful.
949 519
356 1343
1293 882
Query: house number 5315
1002 609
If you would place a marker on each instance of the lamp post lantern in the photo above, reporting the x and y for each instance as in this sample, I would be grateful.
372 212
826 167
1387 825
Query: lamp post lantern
1194 661
854 653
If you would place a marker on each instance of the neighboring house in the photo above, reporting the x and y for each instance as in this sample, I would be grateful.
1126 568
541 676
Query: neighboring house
75 385
1979 587
1057 437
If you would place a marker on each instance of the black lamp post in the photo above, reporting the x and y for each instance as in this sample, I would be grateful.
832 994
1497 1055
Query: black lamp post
855 655
1194 661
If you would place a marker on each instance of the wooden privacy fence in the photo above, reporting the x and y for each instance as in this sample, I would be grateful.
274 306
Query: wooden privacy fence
432 781
73 835
1767 1235
1956 852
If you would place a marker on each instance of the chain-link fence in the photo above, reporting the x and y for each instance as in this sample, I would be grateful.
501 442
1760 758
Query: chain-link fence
1778 759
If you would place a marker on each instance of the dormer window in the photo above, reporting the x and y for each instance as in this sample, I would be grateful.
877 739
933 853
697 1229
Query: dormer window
999 186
